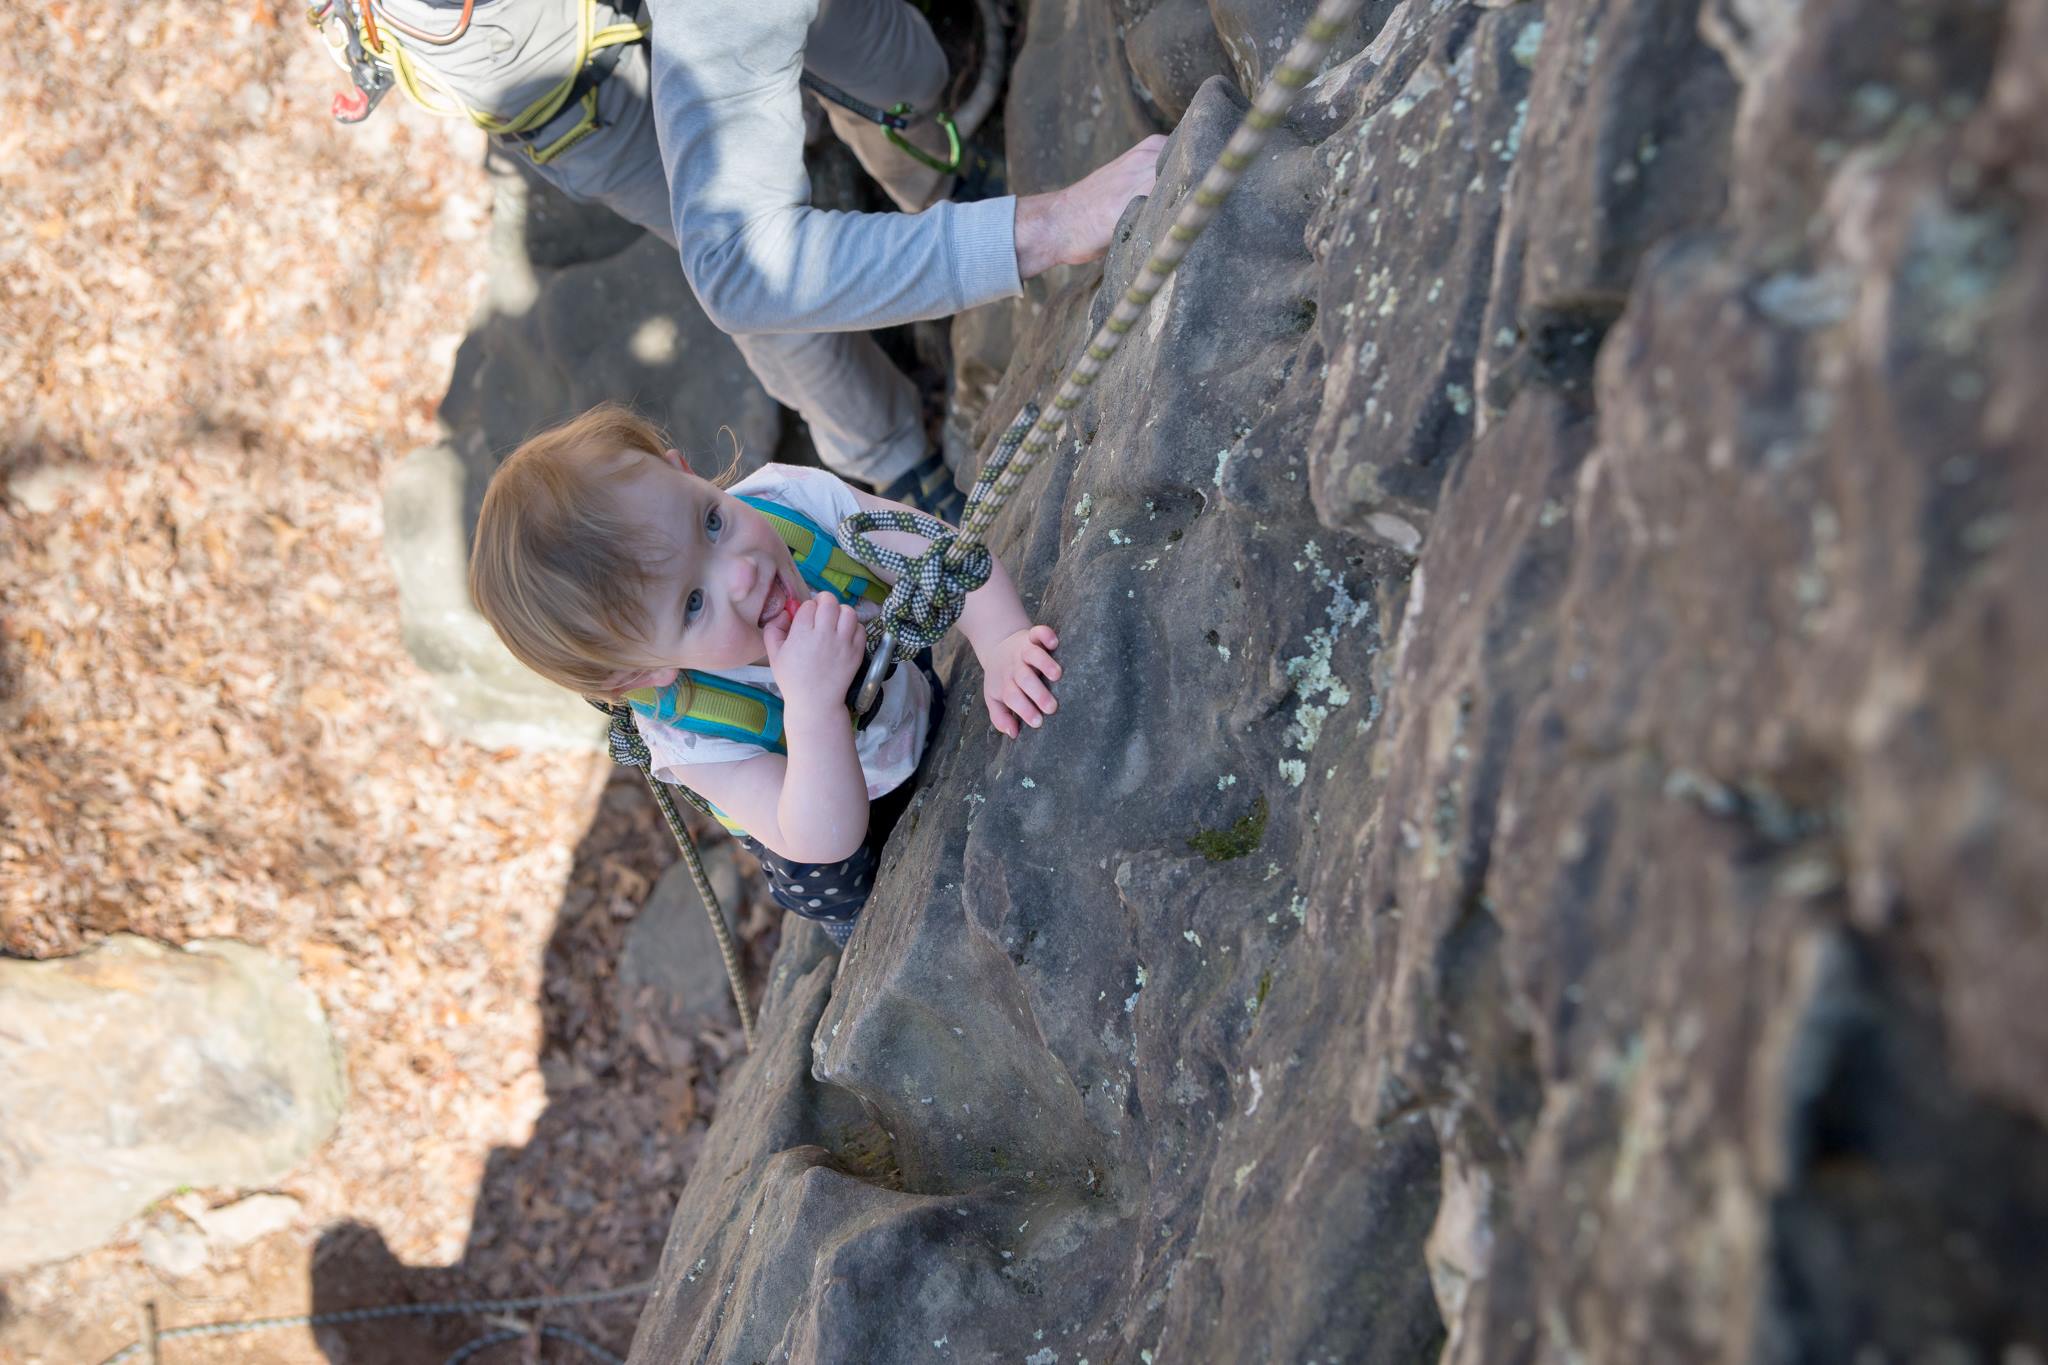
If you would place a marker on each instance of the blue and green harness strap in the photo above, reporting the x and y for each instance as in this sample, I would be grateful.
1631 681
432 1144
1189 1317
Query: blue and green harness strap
720 707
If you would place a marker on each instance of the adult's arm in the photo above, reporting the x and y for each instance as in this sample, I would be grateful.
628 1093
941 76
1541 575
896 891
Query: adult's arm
729 114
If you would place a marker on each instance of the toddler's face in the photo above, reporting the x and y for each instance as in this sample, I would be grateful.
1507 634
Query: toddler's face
721 572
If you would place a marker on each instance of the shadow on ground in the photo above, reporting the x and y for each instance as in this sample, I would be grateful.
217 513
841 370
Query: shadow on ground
585 1203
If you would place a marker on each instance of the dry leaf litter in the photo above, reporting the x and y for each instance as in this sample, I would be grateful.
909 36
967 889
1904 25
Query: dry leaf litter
223 320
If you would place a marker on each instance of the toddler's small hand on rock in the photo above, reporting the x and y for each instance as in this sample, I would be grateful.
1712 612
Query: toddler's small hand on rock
1015 680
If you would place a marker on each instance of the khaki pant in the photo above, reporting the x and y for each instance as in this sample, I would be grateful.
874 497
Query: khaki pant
864 414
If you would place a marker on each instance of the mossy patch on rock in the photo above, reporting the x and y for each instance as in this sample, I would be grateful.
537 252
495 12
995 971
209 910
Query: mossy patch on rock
1242 838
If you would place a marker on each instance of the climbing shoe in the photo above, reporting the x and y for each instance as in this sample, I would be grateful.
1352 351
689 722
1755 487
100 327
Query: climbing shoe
929 487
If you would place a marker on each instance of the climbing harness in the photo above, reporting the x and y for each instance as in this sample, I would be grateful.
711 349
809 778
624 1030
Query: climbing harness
457 1308
376 62
369 78
818 556
705 703
724 708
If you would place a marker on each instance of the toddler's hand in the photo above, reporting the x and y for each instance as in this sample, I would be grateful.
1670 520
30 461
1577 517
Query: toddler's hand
814 654
1014 678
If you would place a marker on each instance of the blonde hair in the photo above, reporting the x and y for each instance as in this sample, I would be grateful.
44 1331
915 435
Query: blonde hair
557 567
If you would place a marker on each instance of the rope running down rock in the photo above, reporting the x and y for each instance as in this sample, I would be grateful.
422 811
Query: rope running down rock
1032 433
630 749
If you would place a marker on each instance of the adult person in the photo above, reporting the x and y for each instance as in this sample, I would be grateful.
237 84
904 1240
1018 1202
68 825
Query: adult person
697 134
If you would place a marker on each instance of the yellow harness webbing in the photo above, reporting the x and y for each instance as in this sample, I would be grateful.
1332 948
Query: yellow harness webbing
589 40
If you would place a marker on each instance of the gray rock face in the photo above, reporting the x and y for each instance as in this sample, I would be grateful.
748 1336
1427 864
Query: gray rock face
133 1069
582 308
1172 48
1539 855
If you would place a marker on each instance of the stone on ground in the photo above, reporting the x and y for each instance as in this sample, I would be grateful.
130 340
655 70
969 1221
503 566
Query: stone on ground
134 1069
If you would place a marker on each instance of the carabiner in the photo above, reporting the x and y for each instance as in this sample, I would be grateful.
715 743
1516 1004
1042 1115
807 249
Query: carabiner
880 664
917 153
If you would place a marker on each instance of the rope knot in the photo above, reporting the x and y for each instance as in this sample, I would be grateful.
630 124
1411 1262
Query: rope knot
930 592
623 736
931 588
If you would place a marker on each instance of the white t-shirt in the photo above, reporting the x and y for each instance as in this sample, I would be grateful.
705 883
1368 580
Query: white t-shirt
892 742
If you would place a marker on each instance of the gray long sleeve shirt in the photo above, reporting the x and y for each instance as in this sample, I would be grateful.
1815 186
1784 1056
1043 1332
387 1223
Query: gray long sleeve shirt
729 114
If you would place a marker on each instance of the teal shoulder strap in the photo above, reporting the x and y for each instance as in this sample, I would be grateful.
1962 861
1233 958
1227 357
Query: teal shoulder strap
722 708
825 567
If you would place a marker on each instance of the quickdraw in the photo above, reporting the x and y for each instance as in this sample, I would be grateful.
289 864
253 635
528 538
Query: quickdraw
369 78
894 121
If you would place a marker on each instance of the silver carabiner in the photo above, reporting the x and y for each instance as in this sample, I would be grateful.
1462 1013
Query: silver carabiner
879 665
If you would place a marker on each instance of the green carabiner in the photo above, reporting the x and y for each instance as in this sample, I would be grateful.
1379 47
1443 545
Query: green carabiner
952 161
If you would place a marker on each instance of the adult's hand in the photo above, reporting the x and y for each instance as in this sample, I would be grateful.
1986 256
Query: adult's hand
1072 226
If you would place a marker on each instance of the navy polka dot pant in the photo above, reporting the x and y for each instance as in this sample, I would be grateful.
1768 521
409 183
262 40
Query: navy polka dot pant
830 893
833 893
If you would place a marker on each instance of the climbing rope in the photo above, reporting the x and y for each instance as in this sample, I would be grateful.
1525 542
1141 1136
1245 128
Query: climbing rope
929 593
455 1308
929 597
630 749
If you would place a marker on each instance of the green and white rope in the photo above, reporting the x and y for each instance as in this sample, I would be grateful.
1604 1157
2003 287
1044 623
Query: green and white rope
629 748
930 592
928 595
1033 435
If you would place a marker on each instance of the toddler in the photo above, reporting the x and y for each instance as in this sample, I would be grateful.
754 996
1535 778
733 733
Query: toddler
731 621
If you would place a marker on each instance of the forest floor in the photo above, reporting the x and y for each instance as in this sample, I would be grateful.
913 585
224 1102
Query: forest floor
223 321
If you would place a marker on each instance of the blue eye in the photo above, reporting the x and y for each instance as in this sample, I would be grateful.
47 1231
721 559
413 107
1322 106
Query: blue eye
693 604
714 521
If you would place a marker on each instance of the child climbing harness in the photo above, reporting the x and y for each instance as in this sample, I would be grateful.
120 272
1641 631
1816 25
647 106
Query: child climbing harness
708 704
705 703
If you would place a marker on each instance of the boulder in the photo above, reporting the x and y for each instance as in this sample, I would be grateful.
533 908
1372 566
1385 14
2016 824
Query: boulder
1539 853
1173 47
135 1069
671 975
172 1247
230 1227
